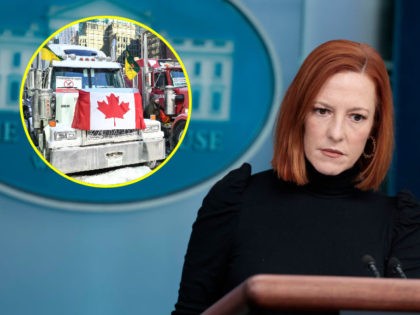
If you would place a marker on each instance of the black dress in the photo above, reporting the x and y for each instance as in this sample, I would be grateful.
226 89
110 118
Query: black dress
254 224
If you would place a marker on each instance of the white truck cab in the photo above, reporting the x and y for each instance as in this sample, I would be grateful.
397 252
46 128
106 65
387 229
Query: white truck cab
52 94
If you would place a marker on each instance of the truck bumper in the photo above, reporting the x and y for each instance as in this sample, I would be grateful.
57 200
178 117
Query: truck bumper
80 159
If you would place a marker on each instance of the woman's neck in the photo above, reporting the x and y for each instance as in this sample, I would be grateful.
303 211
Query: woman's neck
343 183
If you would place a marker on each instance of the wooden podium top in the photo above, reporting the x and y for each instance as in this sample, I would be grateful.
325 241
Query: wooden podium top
278 292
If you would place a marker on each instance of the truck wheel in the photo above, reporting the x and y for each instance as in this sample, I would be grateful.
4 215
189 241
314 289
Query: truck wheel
34 138
152 164
43 147
177 133
31 132
46 153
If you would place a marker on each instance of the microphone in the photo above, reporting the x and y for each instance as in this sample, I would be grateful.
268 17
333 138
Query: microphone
395 266
371 265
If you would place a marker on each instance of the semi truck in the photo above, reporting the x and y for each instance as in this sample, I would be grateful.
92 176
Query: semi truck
163 83
84 84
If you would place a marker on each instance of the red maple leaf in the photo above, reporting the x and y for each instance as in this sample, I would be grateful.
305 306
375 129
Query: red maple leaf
113 109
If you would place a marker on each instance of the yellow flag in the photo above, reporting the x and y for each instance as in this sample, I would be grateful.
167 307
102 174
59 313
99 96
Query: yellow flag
131 66
48 54
130 72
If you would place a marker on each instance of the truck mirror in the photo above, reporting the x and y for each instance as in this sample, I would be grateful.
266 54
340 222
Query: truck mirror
149 79
30 80
169 100
38 79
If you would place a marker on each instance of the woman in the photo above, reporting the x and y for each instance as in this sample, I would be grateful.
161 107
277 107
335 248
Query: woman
317 212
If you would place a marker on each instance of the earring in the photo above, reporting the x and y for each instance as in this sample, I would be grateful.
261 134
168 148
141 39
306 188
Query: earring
371 154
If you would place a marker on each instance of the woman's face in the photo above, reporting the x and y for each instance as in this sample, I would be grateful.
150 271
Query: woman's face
339 123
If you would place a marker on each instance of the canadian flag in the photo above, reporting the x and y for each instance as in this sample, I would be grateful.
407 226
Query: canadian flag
108 109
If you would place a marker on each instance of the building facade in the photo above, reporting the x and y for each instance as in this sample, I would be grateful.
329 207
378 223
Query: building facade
91 34
124 36
156 48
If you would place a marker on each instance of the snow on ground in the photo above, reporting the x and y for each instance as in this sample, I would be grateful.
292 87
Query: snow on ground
118 176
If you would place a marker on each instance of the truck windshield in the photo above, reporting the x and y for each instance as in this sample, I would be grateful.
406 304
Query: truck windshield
107 78
178 78
69 78
82 78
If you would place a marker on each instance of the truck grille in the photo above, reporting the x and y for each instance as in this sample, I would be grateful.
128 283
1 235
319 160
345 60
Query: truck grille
101 136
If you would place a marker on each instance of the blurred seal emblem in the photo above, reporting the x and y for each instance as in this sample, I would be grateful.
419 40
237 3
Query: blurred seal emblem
234 88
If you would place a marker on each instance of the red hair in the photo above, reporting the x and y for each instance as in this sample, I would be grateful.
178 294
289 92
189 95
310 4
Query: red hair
326 60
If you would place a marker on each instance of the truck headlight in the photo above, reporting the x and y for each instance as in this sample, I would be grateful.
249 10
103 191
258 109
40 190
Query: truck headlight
71 135
152 128
64 135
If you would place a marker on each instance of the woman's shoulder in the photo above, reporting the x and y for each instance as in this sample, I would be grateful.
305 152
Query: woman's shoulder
408 208
406 233
229 190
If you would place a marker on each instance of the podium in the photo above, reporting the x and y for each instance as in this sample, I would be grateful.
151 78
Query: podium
319 293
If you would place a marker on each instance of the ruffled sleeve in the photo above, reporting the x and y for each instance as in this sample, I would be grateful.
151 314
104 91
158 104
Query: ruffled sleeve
207 255
406 239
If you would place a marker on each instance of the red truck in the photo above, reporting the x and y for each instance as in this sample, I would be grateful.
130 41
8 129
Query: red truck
165 94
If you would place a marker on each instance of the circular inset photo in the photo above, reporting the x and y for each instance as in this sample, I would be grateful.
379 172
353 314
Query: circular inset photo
105 101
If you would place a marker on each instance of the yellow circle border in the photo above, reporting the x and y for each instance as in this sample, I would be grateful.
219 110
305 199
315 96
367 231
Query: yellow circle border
111 17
